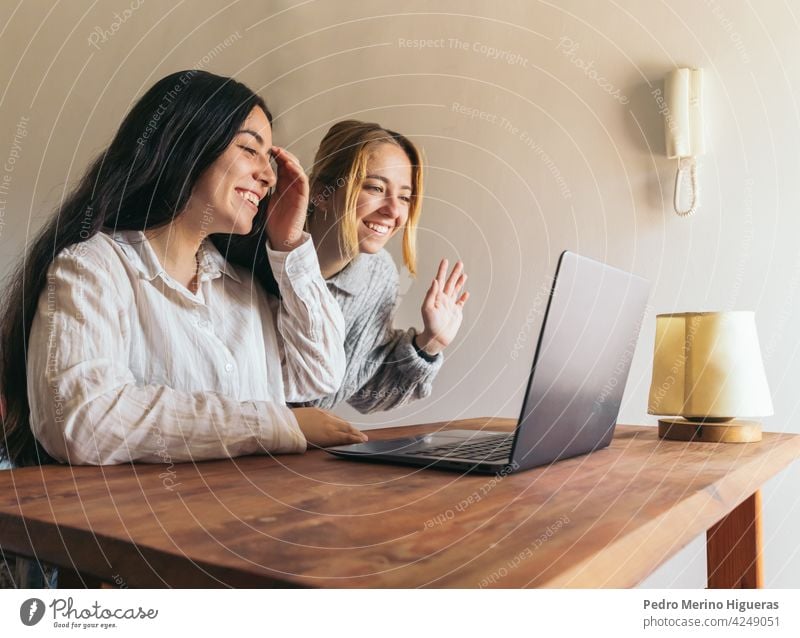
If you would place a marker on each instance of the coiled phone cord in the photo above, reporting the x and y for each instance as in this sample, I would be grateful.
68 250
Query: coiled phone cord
683 162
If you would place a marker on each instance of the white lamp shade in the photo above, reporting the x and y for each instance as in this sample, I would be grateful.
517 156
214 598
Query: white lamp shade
708 364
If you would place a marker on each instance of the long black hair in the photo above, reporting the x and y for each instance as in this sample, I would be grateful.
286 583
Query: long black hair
142 180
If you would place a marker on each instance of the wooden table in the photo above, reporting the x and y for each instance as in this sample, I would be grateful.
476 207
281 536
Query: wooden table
607 519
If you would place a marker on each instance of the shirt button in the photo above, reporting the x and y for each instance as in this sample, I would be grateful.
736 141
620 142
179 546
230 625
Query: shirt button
202 323
228 367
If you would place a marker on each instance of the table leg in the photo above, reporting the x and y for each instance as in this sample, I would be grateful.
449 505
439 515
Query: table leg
733 548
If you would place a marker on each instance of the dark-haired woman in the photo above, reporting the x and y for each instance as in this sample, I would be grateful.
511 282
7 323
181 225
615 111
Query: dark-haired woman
147 343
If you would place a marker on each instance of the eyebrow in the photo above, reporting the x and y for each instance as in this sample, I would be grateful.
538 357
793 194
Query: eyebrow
386 181
259 139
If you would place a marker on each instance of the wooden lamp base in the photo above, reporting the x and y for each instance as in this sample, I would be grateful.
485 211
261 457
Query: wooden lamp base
736 431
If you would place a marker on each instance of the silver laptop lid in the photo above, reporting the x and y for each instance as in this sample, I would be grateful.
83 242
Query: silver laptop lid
582 361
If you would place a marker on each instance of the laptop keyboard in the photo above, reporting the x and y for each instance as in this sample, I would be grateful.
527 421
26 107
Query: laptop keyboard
489 449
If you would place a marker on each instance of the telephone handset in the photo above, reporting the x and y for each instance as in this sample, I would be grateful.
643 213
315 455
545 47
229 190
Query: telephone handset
683 115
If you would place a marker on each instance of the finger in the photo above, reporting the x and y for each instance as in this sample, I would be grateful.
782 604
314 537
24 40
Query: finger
276 152
453 278
351 431
430 296
294 184
463 299
292 173
280 154
459 285
287 156
442 273
288 163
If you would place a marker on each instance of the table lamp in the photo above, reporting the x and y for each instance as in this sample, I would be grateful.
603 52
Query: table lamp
707 370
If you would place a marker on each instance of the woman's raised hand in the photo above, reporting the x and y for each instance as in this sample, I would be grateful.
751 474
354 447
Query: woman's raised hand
288 205
442 309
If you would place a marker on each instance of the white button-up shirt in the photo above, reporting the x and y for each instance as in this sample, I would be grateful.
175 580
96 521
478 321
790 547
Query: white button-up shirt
126 364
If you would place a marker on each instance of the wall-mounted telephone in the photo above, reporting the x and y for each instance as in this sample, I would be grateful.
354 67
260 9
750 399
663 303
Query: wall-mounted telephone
683 123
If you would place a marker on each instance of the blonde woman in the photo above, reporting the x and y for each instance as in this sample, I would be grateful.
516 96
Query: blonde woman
366 187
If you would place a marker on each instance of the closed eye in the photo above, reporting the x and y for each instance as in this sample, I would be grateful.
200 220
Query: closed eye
249 150
377 189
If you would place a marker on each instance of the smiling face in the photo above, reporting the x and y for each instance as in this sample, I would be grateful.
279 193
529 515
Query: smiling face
385 197
226 196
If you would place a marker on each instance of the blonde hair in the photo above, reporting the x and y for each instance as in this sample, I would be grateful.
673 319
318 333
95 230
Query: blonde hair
341 162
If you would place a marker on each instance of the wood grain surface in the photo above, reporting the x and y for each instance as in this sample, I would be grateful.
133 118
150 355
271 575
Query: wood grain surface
733 548
607 519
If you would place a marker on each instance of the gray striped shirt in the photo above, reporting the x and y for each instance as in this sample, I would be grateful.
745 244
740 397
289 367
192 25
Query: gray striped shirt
383 370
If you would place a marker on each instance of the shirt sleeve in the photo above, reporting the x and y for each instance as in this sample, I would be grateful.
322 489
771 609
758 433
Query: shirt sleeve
86 406
310 325
402 375
387 372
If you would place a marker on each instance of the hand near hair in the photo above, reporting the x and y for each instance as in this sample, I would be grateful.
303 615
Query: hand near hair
288 204
442 309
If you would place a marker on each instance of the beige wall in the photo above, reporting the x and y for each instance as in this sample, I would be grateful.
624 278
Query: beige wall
552 161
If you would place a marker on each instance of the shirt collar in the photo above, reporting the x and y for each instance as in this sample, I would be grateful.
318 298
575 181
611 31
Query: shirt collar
137 248
212 263
353 277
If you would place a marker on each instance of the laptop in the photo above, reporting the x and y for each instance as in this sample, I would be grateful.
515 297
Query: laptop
574 391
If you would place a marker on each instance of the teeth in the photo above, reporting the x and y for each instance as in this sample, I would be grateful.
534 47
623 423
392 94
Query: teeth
378 228
249 196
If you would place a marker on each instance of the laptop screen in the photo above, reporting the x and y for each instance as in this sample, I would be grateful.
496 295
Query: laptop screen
582 361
